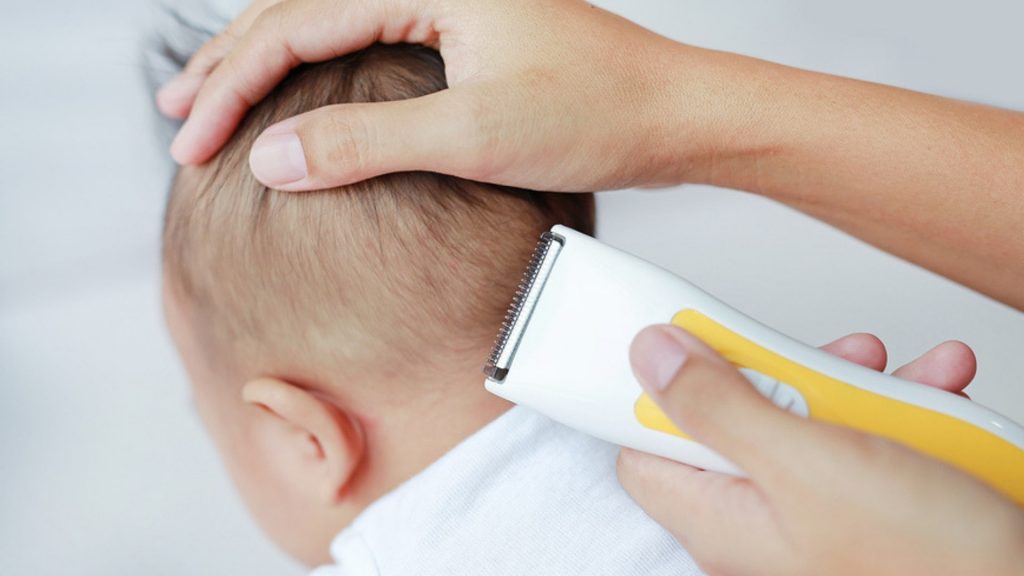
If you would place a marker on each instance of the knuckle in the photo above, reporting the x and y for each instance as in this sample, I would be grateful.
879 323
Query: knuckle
701 386
270 18
210 54
343 143
481 135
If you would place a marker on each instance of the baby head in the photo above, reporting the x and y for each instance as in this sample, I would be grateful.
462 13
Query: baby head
335 339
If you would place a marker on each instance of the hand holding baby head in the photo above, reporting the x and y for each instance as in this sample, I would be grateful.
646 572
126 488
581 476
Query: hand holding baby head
513 112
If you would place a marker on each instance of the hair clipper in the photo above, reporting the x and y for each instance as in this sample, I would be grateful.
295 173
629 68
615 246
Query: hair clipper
563 351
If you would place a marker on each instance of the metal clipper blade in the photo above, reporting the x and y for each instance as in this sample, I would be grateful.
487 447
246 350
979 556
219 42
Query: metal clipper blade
518 315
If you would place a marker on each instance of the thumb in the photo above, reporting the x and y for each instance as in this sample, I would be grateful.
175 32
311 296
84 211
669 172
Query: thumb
705 511
346 143
709 399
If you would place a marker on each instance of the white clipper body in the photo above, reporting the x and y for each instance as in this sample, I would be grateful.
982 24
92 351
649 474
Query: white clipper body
564 352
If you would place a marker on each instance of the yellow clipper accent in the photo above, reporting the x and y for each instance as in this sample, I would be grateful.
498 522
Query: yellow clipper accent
650 415
970 448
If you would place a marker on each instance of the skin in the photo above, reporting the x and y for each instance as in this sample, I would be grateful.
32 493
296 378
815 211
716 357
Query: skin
308 454
659 112
819 499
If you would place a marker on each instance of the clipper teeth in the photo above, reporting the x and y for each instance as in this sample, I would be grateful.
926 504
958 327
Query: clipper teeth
494 368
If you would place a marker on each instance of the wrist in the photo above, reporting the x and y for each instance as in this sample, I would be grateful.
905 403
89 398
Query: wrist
737 122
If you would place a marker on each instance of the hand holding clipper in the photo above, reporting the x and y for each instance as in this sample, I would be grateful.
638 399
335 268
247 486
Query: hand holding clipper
819 499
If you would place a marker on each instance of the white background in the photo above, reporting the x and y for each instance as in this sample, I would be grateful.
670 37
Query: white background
103 466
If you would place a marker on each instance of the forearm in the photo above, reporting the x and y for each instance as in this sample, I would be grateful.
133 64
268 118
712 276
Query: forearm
936 181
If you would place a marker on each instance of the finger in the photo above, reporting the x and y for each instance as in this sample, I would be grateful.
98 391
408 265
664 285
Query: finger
860 348
708 398
347 143
282 37
950 366
704 511
175 98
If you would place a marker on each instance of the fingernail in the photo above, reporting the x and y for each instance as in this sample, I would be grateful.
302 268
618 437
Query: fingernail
278 159
657 357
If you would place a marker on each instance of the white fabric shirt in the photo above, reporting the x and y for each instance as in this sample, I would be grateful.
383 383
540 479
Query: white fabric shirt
524 495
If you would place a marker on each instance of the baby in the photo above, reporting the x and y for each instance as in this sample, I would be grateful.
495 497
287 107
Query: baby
335 341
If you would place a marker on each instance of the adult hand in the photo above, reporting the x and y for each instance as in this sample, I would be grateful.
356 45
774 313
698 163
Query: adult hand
544 94
561 95
819 499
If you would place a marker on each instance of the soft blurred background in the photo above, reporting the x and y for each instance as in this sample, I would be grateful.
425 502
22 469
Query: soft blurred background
104 468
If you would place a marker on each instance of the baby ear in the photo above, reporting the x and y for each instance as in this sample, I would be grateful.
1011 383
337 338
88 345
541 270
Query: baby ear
321 443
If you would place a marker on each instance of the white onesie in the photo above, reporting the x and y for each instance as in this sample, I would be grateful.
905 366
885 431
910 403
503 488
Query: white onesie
523 496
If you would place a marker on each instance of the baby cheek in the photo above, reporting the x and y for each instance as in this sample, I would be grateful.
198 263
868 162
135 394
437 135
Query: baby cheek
241 454
224 418
214 417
